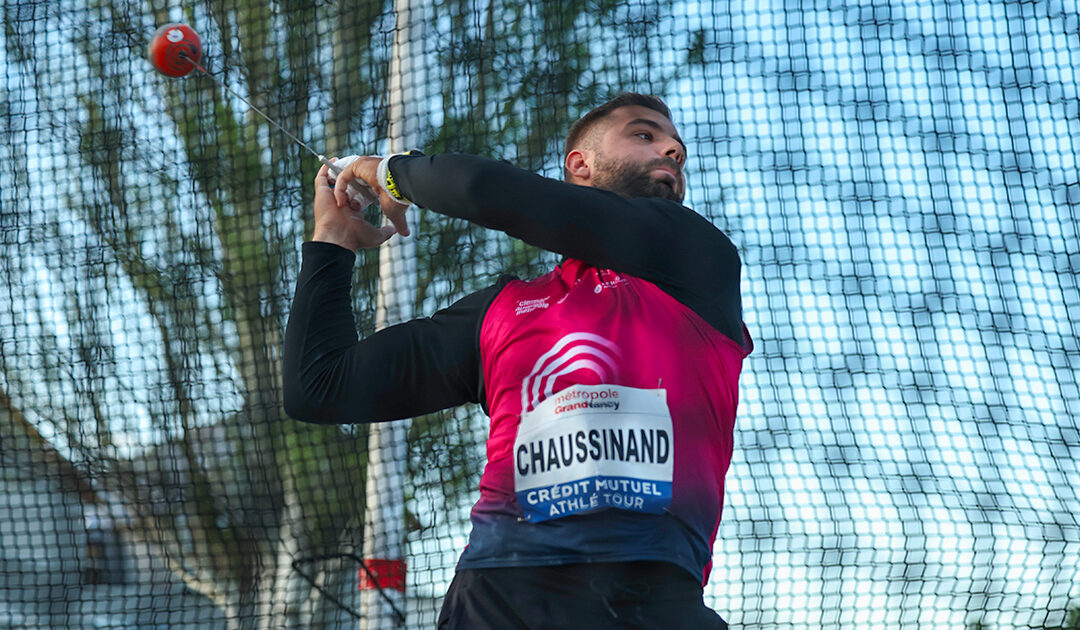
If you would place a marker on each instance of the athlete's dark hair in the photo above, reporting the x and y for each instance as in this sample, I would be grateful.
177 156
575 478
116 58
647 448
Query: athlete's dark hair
626 99
585 124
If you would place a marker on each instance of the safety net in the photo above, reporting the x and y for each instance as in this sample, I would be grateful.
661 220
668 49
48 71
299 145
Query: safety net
900 178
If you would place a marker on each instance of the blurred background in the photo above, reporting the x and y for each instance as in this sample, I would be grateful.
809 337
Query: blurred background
900 177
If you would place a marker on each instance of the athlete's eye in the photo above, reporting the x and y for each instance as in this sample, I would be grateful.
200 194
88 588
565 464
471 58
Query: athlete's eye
644 135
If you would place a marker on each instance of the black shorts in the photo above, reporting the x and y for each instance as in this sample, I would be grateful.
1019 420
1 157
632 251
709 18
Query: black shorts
645 595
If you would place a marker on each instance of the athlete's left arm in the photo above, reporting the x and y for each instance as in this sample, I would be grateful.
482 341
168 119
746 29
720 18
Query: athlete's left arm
654 239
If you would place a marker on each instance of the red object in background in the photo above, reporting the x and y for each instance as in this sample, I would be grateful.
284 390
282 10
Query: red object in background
175 49
382 574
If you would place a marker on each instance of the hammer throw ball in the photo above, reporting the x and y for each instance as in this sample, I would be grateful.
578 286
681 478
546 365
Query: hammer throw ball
175 49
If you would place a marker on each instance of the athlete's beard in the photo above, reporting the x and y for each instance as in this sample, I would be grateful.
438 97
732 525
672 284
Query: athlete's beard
635 180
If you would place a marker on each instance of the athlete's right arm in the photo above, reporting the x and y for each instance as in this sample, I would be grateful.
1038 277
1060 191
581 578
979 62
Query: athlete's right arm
331 377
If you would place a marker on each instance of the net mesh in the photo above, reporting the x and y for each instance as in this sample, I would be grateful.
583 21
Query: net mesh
900 177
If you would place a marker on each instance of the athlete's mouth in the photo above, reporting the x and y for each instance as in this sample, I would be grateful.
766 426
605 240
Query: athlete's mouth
665 177
669 176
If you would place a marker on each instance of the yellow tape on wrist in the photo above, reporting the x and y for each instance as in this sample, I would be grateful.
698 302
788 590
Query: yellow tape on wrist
391 186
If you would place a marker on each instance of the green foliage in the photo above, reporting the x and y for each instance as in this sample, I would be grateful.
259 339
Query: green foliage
190 215
509 93
444 463
1072 622
328 464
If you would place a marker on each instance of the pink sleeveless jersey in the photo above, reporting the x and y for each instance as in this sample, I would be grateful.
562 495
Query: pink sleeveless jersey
612 411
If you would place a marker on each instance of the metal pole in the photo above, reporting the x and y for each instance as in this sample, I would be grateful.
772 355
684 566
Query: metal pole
383 598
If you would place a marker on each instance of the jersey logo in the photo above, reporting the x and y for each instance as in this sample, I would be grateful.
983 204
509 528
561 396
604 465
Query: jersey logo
574 352
528 306
613 283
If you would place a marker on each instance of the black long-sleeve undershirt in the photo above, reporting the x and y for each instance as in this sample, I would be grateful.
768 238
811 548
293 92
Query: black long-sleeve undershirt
433 363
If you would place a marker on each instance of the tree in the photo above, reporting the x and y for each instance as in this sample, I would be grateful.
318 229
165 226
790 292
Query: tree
151 345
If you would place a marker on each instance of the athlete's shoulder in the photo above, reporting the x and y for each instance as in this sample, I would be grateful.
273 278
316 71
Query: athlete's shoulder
687 217
526 292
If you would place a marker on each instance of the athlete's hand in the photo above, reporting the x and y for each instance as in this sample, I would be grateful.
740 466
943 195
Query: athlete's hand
367 170
343 224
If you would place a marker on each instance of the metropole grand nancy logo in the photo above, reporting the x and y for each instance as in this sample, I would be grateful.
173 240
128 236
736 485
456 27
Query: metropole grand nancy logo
574 352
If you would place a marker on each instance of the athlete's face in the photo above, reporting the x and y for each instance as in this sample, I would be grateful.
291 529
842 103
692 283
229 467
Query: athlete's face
639 154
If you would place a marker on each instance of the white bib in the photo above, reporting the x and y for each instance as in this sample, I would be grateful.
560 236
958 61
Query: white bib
591 447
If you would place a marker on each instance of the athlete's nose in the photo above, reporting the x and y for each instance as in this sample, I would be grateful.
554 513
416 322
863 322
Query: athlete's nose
674 150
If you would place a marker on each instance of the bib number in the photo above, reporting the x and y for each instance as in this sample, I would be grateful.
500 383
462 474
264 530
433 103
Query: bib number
591 447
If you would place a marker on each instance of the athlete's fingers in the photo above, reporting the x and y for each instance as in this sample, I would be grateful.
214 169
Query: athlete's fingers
321 178
385 232
341 186
359 168
395 212
369 236
323 189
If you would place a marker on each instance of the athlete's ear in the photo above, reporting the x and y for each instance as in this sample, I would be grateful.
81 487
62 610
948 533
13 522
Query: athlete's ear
578 167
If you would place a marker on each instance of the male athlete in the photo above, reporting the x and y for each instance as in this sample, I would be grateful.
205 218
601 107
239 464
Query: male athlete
611 382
